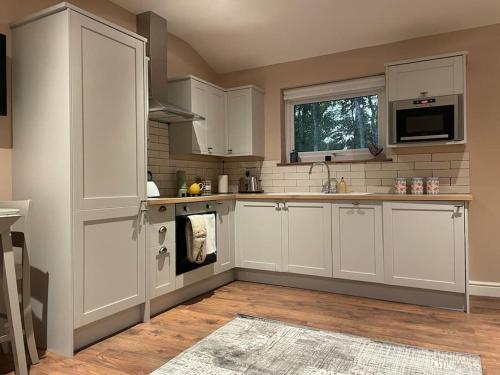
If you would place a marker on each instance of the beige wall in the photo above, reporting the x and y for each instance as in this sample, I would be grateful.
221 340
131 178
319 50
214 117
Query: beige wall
183 60
483 116
483 79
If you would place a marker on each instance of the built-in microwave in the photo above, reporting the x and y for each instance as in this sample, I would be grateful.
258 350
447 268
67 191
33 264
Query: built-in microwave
427 119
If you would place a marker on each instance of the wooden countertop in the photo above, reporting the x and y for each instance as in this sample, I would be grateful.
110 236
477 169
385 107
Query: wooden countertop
314 196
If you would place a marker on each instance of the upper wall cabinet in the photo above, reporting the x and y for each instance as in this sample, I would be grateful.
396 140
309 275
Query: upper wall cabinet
426 77
205 137
245 121
234 119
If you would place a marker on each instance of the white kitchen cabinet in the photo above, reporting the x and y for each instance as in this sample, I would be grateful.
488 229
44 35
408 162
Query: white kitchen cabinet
424 245
205 137
216 113
358 252
81 81
307 238
161 236
245 121
108 170
429 77
225 236
259 235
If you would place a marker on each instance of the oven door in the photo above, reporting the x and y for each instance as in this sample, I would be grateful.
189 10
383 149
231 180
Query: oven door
435 119
182 264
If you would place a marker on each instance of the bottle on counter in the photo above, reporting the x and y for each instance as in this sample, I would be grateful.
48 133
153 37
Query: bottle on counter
342 188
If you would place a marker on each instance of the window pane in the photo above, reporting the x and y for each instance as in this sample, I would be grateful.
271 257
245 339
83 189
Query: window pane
343 124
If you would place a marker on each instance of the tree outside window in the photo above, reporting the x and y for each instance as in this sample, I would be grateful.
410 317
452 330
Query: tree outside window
341 124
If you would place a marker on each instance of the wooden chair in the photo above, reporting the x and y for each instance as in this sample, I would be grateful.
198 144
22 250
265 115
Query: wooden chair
21 239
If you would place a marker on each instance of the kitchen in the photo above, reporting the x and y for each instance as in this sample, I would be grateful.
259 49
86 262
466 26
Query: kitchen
350 185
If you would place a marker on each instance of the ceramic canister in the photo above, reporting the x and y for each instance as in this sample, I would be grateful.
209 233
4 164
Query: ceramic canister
400 185
223 183
432 186
417 185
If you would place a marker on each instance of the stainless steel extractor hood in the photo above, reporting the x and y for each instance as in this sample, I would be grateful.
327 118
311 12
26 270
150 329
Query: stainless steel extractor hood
154 28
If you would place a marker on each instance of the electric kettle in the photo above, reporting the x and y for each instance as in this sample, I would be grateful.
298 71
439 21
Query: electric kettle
250 184
151 188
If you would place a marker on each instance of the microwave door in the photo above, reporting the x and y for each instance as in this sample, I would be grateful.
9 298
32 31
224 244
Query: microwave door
425 123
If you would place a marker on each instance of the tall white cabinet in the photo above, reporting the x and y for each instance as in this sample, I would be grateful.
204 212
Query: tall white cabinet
79 153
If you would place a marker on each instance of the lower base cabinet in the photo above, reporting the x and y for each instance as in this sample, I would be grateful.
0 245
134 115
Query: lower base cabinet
284 236
259 235
161 247
225 236
424 245
307 238
358 252
109 262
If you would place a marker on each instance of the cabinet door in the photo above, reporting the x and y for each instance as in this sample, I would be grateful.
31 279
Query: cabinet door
108 176
239 122
161 231
424 245
216 122
109 262
434 77
225 236
200 93
108 116
307 238
258 235
358 252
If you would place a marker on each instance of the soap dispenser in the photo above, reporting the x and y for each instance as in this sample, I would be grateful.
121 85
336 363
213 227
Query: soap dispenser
342 186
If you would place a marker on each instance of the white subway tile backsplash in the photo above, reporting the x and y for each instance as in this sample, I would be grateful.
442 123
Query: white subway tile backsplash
452 173
415 173
432 165
450 156
378 177
381 174
397 166
460 164
284 183
413 157
465 181
373 167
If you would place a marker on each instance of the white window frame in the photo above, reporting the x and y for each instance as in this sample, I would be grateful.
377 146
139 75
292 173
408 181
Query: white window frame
374 85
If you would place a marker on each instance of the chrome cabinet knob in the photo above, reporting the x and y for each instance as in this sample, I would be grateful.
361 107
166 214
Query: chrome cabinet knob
163 250
162 229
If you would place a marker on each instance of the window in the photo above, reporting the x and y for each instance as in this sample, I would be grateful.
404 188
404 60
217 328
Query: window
337 118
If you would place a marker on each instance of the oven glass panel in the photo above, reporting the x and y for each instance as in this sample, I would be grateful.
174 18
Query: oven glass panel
431 122
182 264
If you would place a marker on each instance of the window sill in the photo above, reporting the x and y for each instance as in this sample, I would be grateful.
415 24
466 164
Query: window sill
382 159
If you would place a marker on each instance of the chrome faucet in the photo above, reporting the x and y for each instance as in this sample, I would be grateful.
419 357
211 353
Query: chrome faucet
327 187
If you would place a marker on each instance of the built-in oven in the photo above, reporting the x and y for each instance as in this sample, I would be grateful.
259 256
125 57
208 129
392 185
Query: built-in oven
182 212
427 119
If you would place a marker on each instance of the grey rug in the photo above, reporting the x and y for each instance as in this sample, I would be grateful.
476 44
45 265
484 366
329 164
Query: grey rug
249 345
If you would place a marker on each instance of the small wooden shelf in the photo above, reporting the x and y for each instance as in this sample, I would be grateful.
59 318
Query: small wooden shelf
352 161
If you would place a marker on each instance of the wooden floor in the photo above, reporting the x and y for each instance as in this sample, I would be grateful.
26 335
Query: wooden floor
145 347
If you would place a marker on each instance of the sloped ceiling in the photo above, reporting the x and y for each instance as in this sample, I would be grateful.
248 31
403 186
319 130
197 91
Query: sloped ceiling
240 34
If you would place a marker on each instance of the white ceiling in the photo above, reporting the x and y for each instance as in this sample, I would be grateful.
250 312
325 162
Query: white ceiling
239 34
